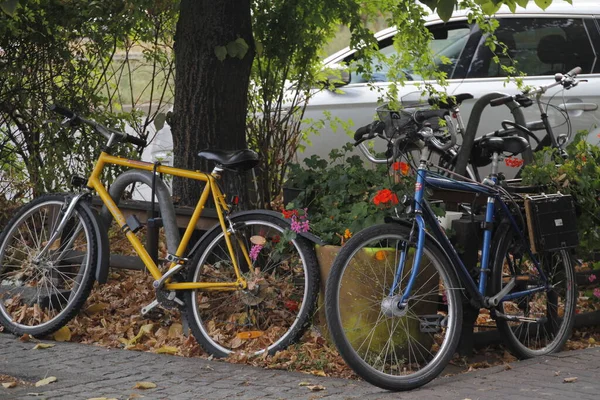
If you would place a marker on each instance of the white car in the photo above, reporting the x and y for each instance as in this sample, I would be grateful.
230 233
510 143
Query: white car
543 43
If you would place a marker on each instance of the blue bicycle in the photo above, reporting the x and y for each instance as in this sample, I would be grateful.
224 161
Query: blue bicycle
395 292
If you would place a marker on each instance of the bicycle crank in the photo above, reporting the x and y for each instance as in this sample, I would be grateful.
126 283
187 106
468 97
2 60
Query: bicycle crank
518 318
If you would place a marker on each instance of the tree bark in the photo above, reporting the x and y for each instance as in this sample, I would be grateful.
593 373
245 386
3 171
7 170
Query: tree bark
210 95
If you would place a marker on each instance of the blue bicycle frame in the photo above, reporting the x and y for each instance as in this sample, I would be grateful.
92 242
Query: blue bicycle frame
425 217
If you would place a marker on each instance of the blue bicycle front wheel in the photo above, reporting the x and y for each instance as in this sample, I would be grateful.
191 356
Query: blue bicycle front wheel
395 348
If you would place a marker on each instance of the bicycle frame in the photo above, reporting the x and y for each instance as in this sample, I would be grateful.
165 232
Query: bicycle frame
425 217
211 187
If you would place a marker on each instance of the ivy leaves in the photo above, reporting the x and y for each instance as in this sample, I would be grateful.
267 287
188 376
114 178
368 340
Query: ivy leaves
445 8
9 6
235 49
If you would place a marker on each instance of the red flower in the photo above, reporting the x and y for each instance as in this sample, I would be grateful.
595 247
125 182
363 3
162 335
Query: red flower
401 166
385 196
289 213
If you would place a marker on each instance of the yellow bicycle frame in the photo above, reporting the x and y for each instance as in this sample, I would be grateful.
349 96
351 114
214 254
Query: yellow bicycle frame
210 187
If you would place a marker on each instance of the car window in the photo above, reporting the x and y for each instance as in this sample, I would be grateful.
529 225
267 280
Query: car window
448 44
540 46
594 31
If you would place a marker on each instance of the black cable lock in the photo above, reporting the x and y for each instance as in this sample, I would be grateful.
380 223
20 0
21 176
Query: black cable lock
154 223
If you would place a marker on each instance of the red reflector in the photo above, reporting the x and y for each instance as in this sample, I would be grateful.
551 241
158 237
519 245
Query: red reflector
236 200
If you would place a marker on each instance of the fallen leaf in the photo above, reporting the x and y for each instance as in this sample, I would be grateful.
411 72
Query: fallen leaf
96 308
134 396
167 350
175 330
317 372
144 385
9 385
556 373
45 381
62 335
592 340
25 338
316 388
144 329
43 346
304 384
570 380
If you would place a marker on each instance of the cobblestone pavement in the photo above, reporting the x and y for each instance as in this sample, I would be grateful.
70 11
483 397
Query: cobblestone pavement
85 372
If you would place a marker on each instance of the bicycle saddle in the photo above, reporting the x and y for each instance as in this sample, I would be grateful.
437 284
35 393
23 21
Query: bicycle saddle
509 144
241 160
484 147
451 101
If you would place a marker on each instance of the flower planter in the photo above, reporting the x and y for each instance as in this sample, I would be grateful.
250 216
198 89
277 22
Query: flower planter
355 289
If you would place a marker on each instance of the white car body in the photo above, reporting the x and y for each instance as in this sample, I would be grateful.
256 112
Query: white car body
357 101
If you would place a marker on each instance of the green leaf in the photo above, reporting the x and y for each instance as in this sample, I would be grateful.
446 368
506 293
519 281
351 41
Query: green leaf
490 8
523 3
432 4
445 9
159 120
238 48
9 6
543 4
221 52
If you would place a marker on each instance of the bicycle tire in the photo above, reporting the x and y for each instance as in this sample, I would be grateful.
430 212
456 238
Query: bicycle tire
549 331
270 315
39 298
388 350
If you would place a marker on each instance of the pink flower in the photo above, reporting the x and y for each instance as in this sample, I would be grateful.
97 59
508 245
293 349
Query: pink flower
597 292
254 251
592 278
300 224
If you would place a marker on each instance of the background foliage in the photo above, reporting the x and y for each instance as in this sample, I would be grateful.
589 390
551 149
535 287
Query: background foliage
63 52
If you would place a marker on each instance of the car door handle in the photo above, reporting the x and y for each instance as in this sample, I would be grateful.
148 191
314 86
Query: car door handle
578 106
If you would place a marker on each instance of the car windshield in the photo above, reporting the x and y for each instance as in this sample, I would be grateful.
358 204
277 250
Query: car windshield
446 47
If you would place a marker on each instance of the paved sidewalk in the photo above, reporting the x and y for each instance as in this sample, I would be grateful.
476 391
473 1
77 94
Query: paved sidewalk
85 372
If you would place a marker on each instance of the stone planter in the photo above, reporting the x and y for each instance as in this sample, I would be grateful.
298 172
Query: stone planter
362 322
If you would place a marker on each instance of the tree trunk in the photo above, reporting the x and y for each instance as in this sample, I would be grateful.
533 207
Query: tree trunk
210 95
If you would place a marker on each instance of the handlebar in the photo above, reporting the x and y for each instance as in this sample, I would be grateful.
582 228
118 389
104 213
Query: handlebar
369 131
108 133
424 134
566 80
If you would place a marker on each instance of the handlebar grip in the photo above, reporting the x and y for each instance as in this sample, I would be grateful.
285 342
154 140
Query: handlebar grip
574 72
135 140
62 111
362 131
378 127
368 132
501 100
421 116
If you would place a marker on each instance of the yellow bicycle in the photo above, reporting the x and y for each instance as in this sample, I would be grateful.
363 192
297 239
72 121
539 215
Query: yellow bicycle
249 284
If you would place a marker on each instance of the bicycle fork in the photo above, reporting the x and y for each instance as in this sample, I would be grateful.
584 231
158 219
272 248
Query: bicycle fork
63 222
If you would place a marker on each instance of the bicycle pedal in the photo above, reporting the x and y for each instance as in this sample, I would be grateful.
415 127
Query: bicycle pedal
431 323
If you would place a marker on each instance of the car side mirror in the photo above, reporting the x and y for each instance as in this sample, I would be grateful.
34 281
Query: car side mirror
337 75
